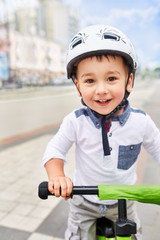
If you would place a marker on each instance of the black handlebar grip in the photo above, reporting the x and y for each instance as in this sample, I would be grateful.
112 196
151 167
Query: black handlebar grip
43 190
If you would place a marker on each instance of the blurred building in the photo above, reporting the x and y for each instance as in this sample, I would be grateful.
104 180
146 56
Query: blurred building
60 23
4 47
38 38
4 60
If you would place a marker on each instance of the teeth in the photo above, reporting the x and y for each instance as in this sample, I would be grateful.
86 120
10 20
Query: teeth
102 101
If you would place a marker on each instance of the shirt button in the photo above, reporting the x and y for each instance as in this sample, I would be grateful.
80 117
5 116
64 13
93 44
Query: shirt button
110 149
110 135
132 147
97 124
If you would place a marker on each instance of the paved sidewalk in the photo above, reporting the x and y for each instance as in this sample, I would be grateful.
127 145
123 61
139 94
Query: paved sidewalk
150 214
23 216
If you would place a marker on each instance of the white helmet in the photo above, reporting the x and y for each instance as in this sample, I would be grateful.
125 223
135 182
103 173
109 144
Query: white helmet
97 40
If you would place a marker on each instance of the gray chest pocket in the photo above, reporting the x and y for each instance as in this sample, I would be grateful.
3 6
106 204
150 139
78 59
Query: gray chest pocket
128 155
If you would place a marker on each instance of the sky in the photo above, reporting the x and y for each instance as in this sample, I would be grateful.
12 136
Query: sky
138 19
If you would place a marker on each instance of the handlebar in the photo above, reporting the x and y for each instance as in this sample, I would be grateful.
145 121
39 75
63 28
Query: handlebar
43 192
141 193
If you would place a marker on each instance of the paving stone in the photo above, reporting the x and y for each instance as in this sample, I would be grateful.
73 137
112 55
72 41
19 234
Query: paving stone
40 212
23 209
56 223
38 236
29 224
12 234
7 206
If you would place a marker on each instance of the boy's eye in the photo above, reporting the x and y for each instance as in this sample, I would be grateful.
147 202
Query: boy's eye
89 81
110 79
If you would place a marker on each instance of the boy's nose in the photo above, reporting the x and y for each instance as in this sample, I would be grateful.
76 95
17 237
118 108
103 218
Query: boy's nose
101 89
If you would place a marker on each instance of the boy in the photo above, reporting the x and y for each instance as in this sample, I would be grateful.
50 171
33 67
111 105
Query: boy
108 133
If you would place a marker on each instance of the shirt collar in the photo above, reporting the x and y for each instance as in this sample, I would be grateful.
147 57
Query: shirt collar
95 120
122 118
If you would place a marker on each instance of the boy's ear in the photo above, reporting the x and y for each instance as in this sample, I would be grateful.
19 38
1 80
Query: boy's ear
77 85
130 83
76 82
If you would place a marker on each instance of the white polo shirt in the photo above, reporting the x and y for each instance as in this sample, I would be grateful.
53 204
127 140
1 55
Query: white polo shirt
127 133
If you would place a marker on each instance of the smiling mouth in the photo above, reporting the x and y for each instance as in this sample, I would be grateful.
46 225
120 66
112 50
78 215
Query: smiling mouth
103 102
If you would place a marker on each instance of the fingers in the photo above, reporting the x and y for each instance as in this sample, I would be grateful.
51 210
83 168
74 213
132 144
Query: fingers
69 188
58 182
60 186
50 186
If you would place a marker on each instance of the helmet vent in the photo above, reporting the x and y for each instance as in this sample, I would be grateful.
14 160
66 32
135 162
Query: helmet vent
76 43
111 36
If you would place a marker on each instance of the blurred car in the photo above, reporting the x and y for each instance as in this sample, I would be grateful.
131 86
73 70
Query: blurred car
60 80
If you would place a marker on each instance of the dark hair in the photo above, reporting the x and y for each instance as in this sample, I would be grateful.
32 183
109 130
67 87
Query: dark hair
99 57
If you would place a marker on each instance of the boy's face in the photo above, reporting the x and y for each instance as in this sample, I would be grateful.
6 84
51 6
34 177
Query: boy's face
102 82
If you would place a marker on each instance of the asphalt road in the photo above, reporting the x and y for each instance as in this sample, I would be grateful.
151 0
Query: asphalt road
26 110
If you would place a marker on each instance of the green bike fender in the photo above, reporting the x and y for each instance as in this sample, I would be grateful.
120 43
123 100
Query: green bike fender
141 193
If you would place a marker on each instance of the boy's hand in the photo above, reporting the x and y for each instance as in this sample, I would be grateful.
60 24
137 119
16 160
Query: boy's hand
63 183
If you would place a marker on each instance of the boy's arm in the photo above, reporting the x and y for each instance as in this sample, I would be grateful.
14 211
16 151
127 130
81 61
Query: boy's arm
57 178
151 140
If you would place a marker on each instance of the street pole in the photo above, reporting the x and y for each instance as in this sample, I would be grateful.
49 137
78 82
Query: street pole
6 24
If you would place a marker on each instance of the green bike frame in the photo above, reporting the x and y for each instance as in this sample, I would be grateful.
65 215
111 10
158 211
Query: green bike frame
123 238
103 238
118 238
